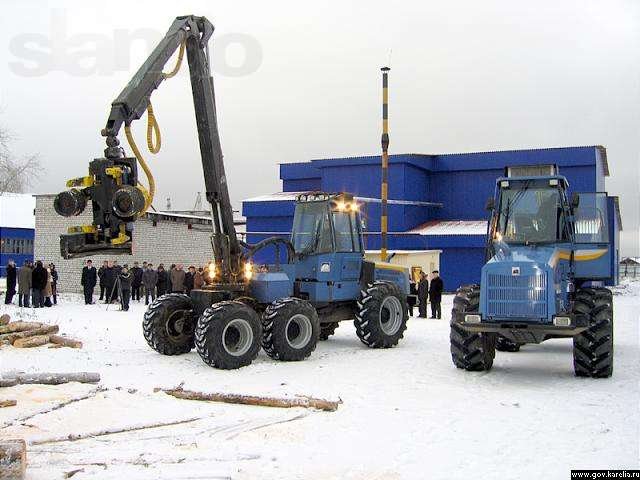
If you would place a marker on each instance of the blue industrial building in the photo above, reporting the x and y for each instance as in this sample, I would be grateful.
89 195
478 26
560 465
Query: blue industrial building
17 229
437 202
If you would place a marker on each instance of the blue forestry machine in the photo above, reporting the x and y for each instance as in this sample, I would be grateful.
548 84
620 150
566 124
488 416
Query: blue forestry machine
548 258
285 307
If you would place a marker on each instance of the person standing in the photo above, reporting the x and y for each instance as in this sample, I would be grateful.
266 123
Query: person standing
178 276
136 283
149 279
198 278
24 284
48 288
189 279
12 274
126 280
163 280
38 284
88 281
423 294
435 294
109 283
54 283
101 272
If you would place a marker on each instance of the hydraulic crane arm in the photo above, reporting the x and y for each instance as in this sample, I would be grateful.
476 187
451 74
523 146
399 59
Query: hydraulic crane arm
112 185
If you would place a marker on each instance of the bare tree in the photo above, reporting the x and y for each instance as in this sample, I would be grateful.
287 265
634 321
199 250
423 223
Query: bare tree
16 174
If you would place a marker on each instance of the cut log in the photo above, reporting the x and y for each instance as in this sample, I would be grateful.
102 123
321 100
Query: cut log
56 378
8 403
19 327
13 459
65 342
43 330
305 402
31 342
4 319
8 382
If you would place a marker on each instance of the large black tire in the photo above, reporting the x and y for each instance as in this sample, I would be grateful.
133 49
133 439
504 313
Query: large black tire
290 329
168 325
593 348
382 315
503 344
228 335
327 329
470 351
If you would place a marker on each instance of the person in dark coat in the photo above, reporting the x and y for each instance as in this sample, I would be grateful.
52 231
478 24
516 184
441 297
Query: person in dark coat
24 284
12 277
189 279
109 277
54 282
101 272
435 294
136 283
38 284
150 280
163 280
88 281
423 294
126 280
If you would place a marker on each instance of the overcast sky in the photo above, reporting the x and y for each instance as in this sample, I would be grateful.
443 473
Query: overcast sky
299 80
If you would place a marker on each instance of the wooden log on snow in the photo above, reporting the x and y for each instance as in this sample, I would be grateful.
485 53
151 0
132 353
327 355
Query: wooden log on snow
19 327
13 459
56 378
8 403
4 319
305 402
31 342
43 330
8 382
65 342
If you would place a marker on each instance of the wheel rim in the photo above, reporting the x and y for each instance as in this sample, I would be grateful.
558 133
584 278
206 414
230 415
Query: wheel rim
298 331
179 326
237 337
390 315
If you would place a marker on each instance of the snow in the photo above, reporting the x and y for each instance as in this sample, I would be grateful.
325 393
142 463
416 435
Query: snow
452 227
407 412
17 210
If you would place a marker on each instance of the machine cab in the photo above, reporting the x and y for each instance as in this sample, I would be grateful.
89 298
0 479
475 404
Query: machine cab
327 238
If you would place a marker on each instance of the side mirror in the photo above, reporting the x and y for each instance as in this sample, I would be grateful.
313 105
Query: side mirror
575 200
490 205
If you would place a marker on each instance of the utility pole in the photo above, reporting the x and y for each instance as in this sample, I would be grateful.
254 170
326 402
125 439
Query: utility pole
385 164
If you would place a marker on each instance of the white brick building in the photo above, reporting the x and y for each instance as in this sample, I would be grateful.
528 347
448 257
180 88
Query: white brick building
160 237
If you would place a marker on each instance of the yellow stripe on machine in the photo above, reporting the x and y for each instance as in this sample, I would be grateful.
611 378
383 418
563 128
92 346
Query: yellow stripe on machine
391 266
578 256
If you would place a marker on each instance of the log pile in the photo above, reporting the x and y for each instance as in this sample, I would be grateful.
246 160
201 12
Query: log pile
32 334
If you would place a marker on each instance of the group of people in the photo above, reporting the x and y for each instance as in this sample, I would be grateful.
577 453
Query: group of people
36 284
430 291
125 284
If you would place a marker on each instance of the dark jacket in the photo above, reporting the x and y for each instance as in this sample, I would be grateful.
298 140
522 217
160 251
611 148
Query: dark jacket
163 280
24 280
101 271
89 277
108 277
423 288
149 278
39 278
54 277
136 273
435 290
177 280
188 281
12 273
125 281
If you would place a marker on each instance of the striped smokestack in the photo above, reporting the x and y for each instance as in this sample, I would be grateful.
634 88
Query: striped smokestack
384 189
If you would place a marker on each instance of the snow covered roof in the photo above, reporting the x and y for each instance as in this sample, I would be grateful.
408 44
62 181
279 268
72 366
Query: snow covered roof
403 252
17 210
291 196
452 227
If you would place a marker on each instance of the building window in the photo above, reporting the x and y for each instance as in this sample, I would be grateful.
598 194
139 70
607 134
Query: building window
17 246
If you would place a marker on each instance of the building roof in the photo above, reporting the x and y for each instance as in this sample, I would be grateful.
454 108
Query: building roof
404 252
291 196
451 227
17 210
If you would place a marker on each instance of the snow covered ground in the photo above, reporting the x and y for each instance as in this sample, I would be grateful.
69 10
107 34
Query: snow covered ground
407 412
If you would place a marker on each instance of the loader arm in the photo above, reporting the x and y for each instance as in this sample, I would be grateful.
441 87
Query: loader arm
109 177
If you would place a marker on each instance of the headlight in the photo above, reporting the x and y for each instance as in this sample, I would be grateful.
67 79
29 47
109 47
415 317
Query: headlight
472 318
248 270
211 270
